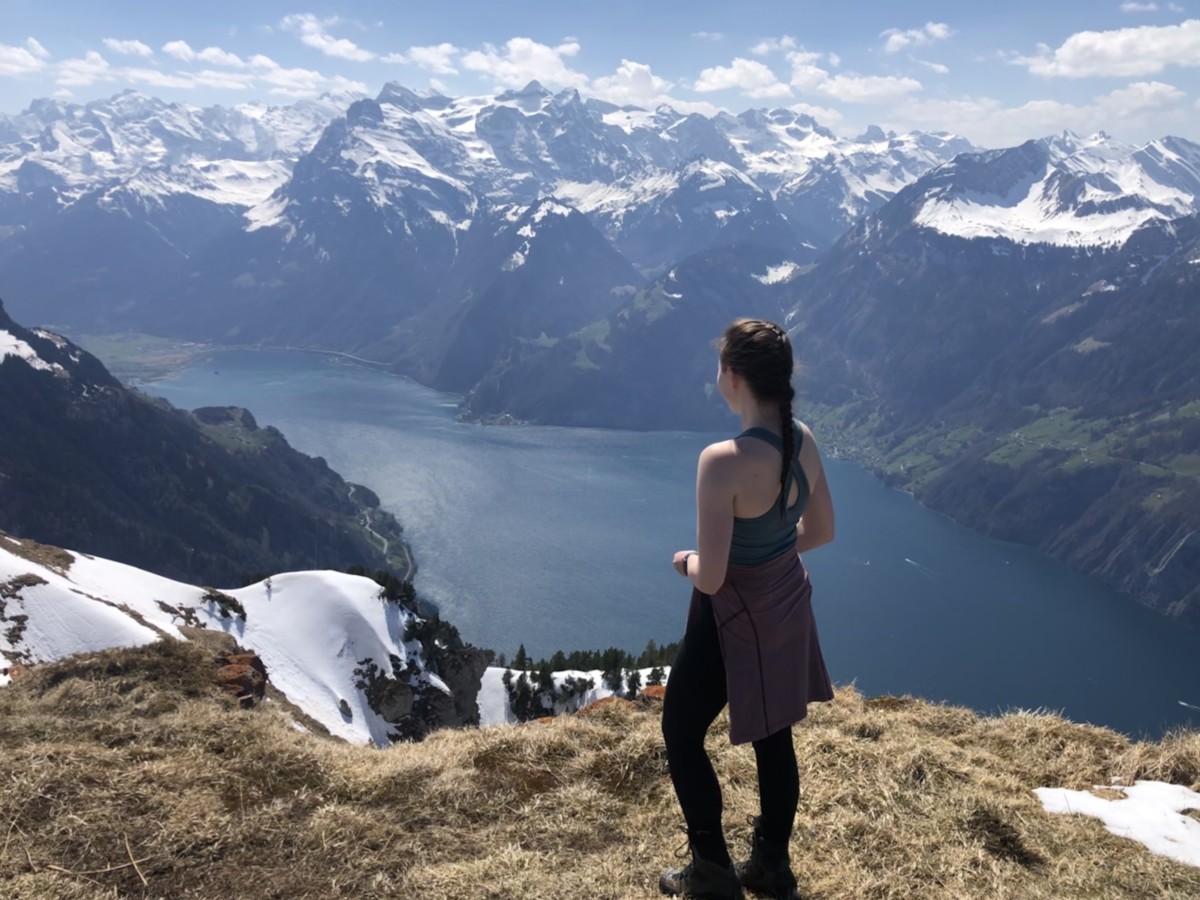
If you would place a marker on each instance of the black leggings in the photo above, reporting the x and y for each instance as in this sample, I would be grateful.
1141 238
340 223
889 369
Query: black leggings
695 696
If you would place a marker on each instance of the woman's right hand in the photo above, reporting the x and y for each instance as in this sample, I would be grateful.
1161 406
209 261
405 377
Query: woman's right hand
680 561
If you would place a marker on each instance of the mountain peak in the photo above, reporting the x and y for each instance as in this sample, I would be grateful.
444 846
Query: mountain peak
531 90
874 134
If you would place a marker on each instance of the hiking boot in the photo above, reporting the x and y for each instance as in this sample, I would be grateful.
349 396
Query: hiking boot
768 870
702 880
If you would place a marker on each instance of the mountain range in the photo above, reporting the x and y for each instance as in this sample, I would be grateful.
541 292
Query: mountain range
1008 333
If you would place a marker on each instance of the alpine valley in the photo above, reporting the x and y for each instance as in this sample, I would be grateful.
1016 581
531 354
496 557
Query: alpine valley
1010 334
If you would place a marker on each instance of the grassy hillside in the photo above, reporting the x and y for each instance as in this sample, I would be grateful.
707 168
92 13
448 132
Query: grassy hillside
125 774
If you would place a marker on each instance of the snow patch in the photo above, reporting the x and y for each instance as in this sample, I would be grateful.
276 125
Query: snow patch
551 208
1100 287
493 698
267 214
11 345
1149 812
1090 345
777 274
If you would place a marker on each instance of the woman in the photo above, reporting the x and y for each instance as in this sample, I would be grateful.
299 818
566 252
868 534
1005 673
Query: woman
761 499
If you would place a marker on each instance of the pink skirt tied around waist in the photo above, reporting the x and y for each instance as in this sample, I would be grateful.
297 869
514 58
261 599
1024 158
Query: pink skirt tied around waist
773 662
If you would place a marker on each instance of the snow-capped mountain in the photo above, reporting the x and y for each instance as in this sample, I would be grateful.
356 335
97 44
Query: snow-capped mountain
347 657
67 150
660 217
1065 191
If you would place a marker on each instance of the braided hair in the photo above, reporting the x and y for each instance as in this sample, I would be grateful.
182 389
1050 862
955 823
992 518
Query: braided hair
761 352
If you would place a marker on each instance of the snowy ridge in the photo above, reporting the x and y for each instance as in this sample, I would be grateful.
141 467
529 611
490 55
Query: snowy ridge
510 148
311 629
11 345
227 182
1067 191
75 149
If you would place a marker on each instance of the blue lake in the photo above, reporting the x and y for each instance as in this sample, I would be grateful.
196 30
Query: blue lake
561 538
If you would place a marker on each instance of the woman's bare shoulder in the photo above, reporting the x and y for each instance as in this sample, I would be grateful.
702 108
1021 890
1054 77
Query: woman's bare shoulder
720 450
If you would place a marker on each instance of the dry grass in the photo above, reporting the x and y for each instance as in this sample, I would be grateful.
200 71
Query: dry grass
52 558
123 774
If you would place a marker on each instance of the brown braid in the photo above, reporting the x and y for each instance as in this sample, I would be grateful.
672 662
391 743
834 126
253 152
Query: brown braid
789 446
761 352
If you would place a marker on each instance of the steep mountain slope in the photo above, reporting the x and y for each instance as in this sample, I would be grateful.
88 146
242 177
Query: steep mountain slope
88 464
659 218
650 363
1046 392
544 273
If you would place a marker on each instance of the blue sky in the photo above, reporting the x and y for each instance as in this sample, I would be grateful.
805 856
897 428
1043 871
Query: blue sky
998 73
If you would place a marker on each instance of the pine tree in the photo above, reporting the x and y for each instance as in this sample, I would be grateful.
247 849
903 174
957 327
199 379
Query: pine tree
634 682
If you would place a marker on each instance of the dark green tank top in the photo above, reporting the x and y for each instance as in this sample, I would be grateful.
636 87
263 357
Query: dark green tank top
762 538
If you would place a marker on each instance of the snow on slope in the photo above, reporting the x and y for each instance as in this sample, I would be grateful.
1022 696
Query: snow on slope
493 698
1088 192
11 345
311 629
76 149
228 182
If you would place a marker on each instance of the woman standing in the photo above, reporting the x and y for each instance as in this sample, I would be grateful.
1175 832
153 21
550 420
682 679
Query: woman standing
761 499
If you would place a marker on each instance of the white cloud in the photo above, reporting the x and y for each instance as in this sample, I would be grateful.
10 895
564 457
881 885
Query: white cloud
1141 110
712 36
935 67
834 60
64 93
825 115
300 82
435 58
752 78
23 60
314 33
215 56
899 39
1138 7
85 71
633 84
222 80
128 48
849 88
158 78
1145 50
523 60
770 45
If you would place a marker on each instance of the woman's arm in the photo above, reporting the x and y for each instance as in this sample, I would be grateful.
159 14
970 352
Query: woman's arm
816 526
714 517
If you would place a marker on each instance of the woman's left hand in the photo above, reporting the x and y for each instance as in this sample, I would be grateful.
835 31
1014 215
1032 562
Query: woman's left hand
678 562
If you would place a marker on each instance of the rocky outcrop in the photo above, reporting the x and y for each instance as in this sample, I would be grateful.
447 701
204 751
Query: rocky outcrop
244 675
